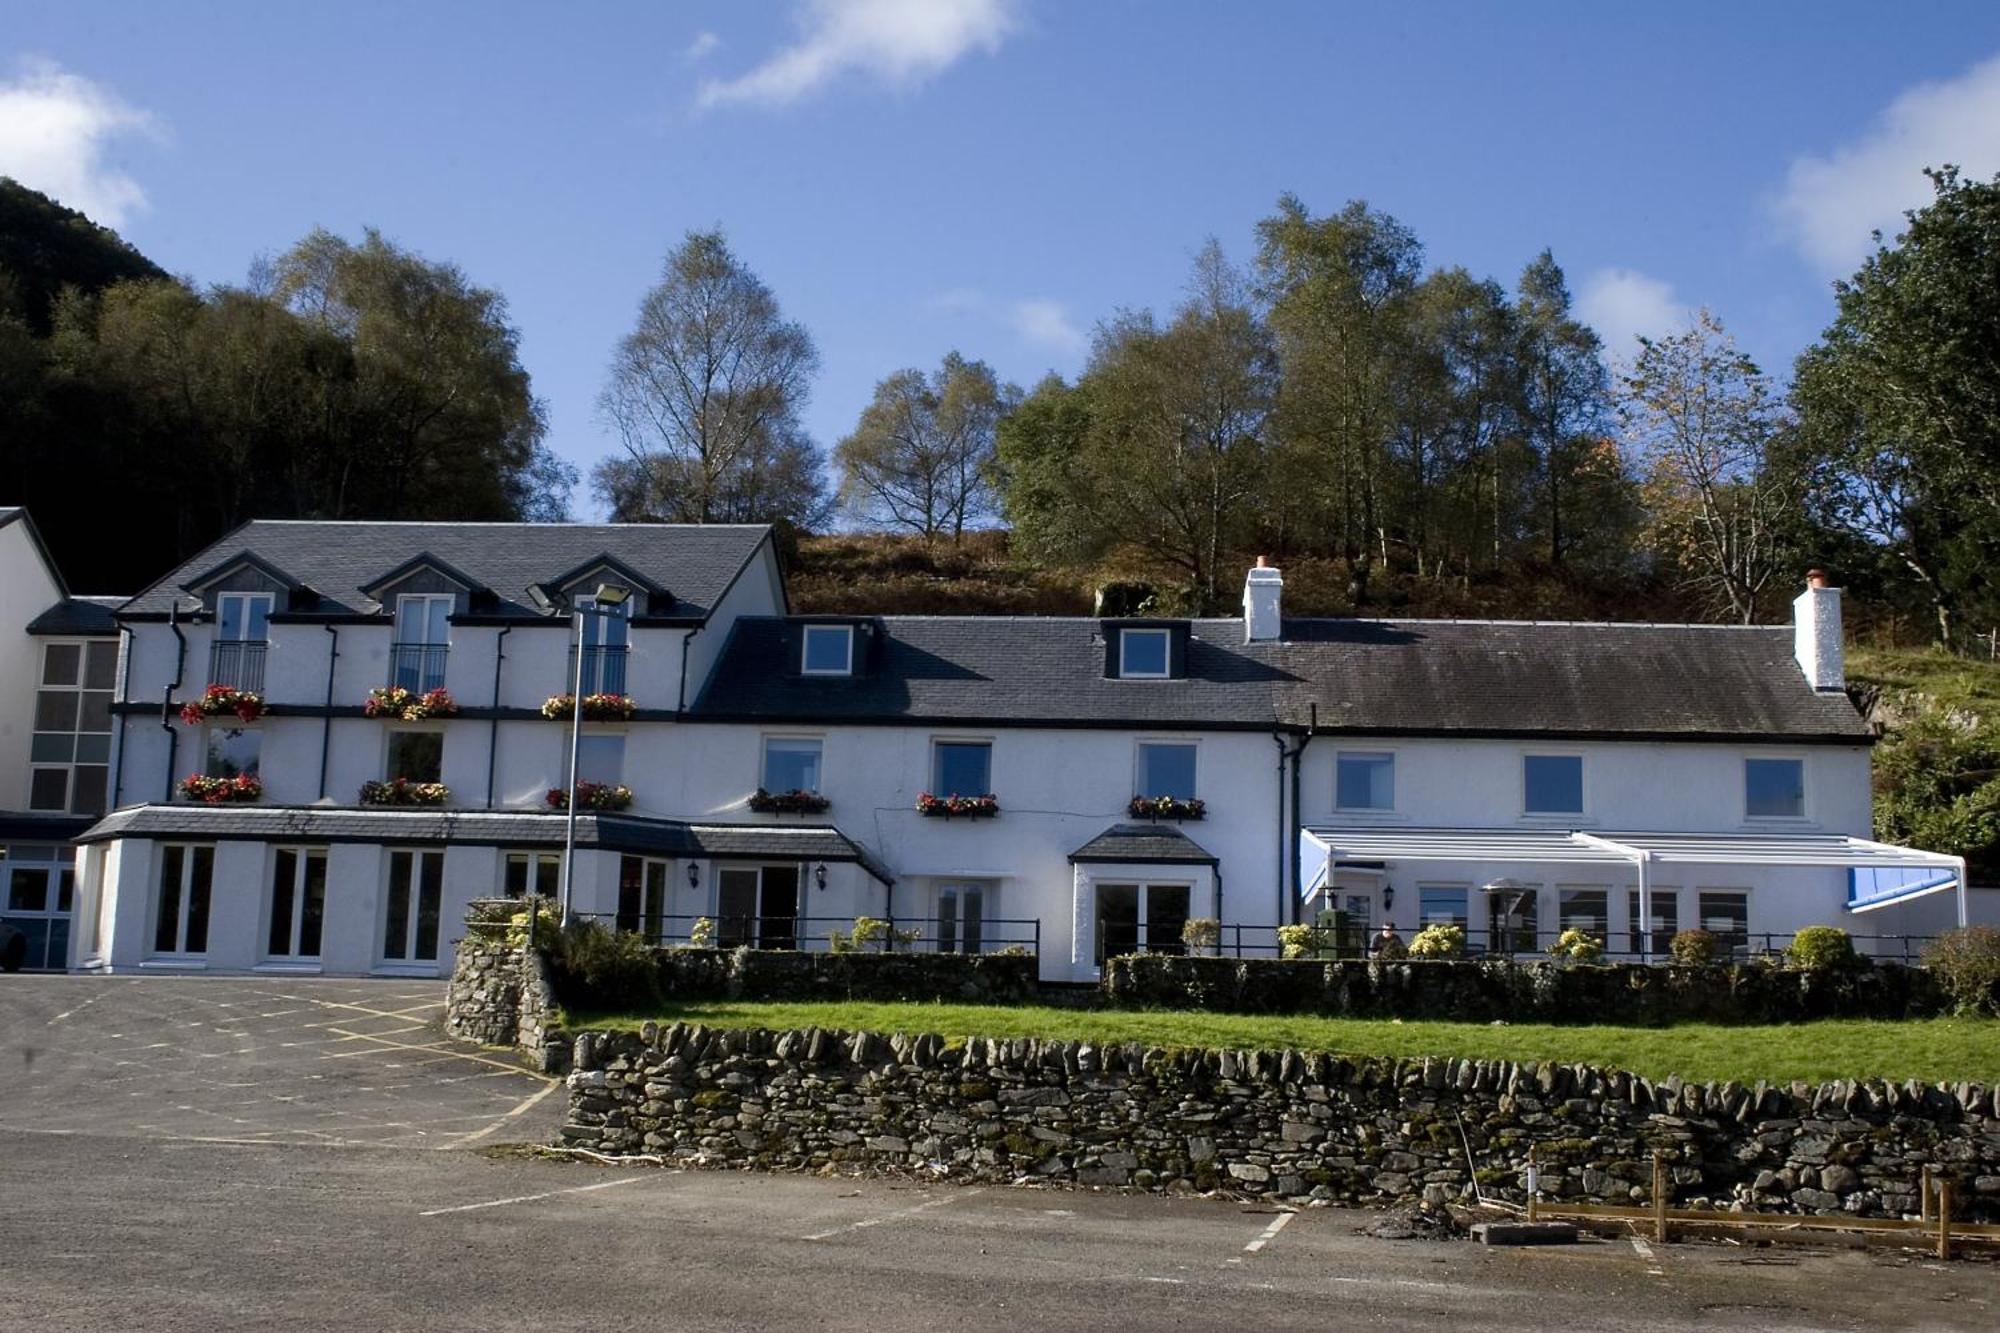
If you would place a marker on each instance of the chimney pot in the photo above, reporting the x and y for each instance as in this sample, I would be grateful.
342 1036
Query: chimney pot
1815 578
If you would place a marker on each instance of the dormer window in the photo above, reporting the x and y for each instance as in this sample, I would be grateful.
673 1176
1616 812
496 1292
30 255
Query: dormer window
829 650
1145 654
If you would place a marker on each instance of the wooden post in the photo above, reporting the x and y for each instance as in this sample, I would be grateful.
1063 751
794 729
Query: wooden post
1944 1219
1924 1196
1533 1181
1659 1197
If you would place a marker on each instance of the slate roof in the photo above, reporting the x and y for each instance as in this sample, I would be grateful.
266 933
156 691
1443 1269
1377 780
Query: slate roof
79 616
1372 677
1154 844
337 560
510 828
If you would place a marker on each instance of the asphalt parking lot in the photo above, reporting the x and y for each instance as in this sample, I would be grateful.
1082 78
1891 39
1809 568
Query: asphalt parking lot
257 1171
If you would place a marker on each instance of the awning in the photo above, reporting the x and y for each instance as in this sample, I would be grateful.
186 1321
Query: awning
1880 872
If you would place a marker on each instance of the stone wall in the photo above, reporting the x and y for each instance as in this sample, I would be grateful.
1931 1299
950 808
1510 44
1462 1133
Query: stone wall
503 996
1268 1123
1481 991
771 974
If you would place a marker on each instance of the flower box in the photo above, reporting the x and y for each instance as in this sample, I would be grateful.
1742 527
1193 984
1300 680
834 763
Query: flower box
1165 807
596 708
402 791
591 796
217 700
788 802
222 791
956 807
393 701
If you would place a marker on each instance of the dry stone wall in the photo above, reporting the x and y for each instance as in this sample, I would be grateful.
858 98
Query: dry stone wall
1269 1123
500 996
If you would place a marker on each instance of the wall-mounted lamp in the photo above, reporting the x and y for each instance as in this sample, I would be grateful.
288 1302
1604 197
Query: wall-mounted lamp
1388 896
694 874
819 876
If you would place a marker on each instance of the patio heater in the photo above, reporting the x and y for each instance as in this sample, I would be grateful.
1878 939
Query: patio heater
607 599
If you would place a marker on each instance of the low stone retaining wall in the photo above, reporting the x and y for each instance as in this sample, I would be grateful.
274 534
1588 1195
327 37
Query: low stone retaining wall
753 974
500 996
1485 991
1277 1123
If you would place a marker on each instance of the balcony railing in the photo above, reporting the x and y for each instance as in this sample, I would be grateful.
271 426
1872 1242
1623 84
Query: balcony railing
811 934
417 667
237 663
603 670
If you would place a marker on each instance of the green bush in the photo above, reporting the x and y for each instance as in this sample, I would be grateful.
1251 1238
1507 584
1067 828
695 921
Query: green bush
1695 947
1300 941
1201 934
1818 948
1577 946
1439 941
605 968
701 935
1967 962
547 928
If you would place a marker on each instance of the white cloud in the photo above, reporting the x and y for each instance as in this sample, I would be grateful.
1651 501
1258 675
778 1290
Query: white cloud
1623 304
704 45
1048 324
900 43
55 130
1829 205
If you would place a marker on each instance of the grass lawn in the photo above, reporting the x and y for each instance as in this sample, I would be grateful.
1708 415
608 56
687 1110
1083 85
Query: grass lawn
1944 1050
1955 682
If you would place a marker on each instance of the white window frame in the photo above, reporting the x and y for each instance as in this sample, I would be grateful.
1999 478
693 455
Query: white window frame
180 951
408 600
532 860
270 601
764 759
1388 809
1582 784
1139 763
957 889
414 910
1805 789
301 874
209 734
1125 638
81 689
846 668
1142 931
598 735
932 777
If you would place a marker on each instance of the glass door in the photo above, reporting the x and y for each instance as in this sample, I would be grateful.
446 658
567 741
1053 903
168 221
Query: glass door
38 904
757 906
416 894
961 925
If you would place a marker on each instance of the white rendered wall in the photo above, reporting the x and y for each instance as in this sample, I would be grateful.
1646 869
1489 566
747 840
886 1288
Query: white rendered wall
26 590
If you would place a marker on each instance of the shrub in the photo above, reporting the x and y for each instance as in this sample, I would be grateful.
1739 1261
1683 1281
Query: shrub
402 791
1695 947
1817 948
1304 941
1967 962
701 935
1439 941
608 969
1201 934
547 928
1577 946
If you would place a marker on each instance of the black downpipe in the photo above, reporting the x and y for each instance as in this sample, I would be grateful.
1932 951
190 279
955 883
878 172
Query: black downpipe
125 641
326 719
1298 821
493 727
167 699
1278 866
680 697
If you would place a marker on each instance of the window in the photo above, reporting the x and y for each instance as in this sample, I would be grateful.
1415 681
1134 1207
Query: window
416 899
1552 784
1166 769
243 617
539 871
606 631
961 925
423 631
1725 914
298 903
642 896
829 650
180 913
962 768
416 755
792 764
1442 905
757 906
1140 918
1364 781
40 893
1584 909
1513 917
1666 919
1774 788
600 757
1145 654
70 752
232 752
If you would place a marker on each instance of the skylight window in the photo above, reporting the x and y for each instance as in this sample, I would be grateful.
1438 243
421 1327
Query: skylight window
1144 654
829 650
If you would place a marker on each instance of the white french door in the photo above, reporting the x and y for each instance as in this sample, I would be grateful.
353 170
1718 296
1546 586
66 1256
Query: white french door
415 902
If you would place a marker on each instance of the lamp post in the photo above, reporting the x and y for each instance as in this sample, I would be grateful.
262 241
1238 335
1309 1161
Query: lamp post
608 598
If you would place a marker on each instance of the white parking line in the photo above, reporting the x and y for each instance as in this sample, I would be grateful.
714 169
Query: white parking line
527 1103
1266 1236
1645 1251
867 1222
533 1198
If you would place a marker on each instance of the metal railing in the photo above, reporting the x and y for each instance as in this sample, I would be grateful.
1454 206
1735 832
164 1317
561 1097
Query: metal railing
238 663
603 670
1620 946
417 667
814 934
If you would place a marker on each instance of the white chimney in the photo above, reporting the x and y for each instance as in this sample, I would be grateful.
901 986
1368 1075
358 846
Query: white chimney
1816 641
1263 594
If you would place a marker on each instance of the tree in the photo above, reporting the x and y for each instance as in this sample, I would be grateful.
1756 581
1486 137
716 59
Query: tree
1565 393
45 247
706 390
1042 475
922 455
778 479
1899 401
1701 418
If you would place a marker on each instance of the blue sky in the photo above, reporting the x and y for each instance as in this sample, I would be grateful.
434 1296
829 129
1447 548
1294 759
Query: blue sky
913 176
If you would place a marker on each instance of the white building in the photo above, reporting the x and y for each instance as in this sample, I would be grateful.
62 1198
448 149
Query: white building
1506 775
